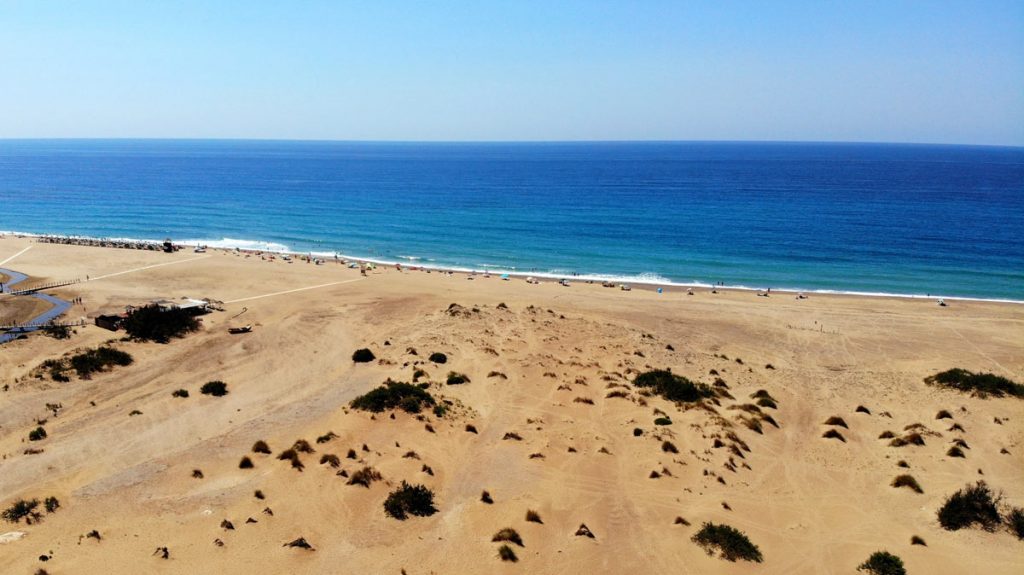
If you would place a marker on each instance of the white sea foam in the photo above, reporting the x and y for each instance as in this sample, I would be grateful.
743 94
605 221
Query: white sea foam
646 278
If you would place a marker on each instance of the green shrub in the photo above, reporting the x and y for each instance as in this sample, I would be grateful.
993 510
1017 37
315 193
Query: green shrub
214 388
150 323
393 394
408 500
979 384
261 447
731 543
974 504
438 357
52 504
96 360
22 509
37 434
662 421
507 554
883 563
671 386
179 393
907 481
363 356
455 378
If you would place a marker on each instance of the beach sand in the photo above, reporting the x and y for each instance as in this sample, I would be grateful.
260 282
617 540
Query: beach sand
812 505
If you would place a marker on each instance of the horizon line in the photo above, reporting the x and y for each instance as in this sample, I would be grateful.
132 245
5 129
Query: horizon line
489 141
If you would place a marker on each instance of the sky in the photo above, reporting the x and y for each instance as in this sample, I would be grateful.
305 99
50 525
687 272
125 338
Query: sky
879 71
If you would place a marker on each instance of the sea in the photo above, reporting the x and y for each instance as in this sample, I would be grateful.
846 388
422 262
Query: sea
880 219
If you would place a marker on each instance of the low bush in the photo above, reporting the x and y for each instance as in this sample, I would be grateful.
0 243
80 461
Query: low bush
96 360
669 447
662 421
22 509
862 409
329 436
51 504
533 517
730 543
408 500
455 378
955 452
979 384
907 481
584 400
1015 521
363 356
508 534
507 554
365 477
973 505
908 439
834 434
512 435
214 388
330 459
245 463
486 498
916 540
37 434
150 323
394 394
183 393
671 386
303 446
838 421
261 447
438 357
883 563
943 414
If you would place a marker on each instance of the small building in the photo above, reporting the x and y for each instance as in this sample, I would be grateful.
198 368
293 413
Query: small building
193 306
111 322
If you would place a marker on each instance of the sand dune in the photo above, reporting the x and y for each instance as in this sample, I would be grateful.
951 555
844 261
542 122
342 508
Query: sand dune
551 365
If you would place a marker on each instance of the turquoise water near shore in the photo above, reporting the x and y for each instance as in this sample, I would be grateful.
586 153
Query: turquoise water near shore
869 218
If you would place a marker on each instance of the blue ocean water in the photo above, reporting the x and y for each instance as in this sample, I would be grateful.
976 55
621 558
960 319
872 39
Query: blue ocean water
902 219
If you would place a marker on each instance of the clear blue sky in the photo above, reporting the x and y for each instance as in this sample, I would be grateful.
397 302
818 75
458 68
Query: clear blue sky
904 71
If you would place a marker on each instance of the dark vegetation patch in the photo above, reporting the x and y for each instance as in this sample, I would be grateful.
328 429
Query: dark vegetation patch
671 386
862 409
838 421
486 498
978 384
261 447
973 505
834 434
245 463
214 388
533 517
22 509
394 394
363 355
330 459
508 534
507 554
669 447
37 434
182 393
438 357
662 421
943 414
585 400
365 477
150 323
1015 521
914 438
907 481
955 452
455 378
916 540
883 563
409 500
730 543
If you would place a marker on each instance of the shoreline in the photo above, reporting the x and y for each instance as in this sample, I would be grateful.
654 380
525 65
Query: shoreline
258 247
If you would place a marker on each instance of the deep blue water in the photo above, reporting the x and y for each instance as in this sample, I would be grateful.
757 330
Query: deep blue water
904 219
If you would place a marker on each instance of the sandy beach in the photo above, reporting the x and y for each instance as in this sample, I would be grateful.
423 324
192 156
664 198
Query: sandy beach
549 364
